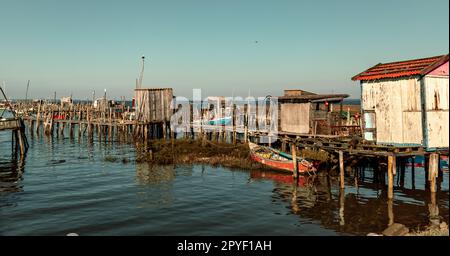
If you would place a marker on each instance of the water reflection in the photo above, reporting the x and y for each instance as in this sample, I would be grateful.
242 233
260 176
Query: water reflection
358 210
11 172
156 185
148 174
143 199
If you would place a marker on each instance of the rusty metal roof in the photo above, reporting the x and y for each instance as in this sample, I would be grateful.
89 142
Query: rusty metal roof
314 97
402 68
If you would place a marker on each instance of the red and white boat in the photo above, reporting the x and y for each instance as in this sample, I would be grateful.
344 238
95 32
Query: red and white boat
278 160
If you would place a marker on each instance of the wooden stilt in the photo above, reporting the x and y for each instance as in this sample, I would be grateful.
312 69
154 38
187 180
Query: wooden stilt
341 206
21 142
433 171
71 132
390 203
434 210
341 169
391 166
38 117
294 160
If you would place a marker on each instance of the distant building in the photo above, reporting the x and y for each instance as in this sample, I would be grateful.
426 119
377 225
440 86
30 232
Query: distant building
406 103
153 105
66 101
307 113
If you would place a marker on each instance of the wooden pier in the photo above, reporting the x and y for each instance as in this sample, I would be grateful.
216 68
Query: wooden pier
19 141
119 123
16 125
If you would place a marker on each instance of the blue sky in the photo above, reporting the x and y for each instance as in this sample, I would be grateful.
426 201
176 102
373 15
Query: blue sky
80 46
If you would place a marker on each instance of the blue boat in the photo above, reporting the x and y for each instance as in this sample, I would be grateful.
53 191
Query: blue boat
221 121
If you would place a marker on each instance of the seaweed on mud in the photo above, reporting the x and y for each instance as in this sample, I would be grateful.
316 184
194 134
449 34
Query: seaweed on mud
186 151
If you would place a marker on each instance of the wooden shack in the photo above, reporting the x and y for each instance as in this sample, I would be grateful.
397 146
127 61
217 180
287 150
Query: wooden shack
153 105
308 113
406 103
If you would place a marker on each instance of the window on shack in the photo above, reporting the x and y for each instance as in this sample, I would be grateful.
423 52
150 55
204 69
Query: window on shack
323 106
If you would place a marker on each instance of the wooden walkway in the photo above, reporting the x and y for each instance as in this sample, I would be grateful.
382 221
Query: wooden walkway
19 141
9 124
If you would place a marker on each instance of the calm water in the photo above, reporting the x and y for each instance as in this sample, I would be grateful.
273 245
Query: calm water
65 186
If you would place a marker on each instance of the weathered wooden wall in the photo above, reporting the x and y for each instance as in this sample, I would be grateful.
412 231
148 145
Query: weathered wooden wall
295 117
436 94
153 105
396 103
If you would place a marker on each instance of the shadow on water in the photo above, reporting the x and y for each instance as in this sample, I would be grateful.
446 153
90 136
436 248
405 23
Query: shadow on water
362 207
11 174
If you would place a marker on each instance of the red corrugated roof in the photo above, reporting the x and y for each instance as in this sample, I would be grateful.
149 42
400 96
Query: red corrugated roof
402 68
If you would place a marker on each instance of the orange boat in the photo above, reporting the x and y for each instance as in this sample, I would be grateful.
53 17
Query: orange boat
278 160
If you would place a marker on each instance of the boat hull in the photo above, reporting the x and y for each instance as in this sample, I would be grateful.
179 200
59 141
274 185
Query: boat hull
221 121
286 166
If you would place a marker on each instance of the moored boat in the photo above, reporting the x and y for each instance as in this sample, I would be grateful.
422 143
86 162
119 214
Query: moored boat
221 121
419 162
278 160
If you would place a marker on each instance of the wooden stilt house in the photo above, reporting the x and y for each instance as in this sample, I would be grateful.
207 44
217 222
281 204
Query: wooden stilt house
406 103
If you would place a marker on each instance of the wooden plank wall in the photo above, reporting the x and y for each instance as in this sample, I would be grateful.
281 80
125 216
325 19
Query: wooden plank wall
153 105
295 117
437 107
396 103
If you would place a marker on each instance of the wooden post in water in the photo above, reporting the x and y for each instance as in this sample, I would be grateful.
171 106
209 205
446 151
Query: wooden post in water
20 139
294 160
433 171
57 124
283 145
71 133
434 211
38 117
341 206
390 203
391 166
30 126
341 169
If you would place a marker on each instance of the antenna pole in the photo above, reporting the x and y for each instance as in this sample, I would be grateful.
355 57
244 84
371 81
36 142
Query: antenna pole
141 76
26 93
